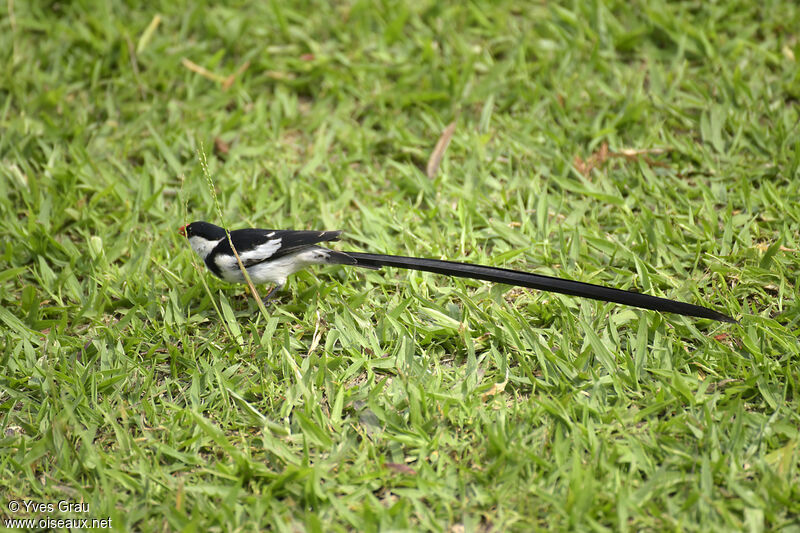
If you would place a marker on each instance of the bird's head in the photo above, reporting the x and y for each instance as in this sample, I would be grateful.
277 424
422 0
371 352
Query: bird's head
203 236
201 229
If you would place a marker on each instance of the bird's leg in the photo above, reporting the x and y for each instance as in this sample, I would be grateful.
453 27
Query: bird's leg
271 294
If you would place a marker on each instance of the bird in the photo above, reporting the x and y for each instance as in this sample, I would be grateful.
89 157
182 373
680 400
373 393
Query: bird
272 255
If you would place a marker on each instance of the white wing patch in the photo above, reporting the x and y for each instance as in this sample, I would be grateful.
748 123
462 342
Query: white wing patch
260 252
228 263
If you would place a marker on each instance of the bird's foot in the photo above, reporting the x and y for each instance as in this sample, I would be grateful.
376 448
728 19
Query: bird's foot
269 298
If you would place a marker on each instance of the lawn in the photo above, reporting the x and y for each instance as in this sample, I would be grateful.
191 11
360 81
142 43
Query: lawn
651 146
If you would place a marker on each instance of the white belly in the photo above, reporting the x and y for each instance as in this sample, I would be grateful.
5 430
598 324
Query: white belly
278 270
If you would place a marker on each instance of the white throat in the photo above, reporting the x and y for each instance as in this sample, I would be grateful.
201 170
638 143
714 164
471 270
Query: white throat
201 246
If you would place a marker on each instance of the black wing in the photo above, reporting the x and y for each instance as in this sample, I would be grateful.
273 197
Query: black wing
257 245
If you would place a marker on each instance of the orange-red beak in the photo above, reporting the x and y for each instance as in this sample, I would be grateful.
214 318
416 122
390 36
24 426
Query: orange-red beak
182 231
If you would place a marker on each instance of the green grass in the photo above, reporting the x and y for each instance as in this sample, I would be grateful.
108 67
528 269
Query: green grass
394 400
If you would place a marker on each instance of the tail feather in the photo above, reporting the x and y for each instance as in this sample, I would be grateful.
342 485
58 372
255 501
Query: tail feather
536 281
334 257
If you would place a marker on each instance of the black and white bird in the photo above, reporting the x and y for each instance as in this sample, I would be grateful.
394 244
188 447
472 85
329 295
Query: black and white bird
271 256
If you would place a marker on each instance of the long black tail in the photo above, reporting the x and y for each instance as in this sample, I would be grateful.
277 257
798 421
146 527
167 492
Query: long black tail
535 281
